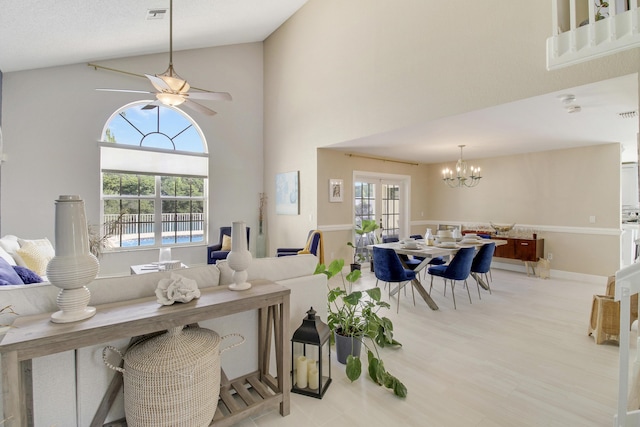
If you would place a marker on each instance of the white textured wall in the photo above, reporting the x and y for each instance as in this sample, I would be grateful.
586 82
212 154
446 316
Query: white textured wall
53 117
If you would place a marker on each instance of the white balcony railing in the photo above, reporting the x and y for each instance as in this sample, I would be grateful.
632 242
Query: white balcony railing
578 37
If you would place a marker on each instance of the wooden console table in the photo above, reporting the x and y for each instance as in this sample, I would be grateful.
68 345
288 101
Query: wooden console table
36 336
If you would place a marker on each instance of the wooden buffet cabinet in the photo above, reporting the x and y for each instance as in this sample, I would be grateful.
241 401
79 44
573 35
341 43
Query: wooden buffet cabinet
526 250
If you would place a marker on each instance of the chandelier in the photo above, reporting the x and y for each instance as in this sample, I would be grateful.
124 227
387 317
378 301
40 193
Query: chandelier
458 177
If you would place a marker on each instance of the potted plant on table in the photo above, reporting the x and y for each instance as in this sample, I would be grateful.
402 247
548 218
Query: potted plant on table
354 319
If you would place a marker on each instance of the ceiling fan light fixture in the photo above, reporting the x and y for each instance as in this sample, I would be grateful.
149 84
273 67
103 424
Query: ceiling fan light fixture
171 99
175 83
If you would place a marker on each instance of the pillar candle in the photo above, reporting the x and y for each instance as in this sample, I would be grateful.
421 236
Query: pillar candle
314 378
301 372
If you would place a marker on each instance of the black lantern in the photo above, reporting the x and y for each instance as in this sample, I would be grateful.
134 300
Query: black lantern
311 357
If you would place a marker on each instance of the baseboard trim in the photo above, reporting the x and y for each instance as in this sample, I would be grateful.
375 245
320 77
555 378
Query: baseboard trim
556 274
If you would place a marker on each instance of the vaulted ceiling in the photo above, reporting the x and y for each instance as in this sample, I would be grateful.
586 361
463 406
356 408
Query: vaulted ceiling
37 34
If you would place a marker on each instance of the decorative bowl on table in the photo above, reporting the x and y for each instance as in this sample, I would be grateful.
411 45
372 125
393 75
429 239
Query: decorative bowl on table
502 229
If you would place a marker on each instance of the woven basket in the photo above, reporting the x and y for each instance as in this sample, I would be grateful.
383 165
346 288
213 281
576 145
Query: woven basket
172 379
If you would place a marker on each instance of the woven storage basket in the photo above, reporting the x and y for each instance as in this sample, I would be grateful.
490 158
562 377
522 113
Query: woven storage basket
172 379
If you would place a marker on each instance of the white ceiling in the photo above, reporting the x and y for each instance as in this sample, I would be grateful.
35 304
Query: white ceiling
37 34
536 124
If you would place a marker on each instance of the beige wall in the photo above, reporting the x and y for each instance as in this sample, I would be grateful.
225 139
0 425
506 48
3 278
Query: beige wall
553 192
336 219
344 69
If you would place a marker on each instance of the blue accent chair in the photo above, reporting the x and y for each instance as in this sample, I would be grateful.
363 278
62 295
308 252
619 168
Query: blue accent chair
389 269
482 263
215 252
410 262
313 247
458 269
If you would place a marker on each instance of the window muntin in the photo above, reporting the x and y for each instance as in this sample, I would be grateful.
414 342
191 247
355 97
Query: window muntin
154 209
162 127
390 209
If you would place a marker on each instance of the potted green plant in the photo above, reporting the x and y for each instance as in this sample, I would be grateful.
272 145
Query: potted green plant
353 317
358 258
366 236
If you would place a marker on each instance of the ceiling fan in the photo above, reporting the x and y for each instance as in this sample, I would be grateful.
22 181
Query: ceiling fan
171 89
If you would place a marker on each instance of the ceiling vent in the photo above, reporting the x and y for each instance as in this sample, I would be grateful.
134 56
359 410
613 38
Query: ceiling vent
567 98
628 114
156 13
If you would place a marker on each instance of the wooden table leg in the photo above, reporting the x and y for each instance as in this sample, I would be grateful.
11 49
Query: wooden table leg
11 391
266 319
284 358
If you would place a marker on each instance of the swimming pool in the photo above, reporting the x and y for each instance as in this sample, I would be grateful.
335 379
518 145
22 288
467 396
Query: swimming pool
166 240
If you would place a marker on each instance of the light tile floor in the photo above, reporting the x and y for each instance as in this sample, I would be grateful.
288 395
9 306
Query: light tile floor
518 357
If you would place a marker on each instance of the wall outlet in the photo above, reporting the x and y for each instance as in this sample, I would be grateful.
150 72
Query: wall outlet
592 219
549 256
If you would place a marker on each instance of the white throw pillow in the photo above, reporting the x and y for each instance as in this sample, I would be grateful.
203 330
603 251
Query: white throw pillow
9 243
7 257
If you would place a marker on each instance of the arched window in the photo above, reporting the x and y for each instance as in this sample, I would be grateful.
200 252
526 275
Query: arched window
154 164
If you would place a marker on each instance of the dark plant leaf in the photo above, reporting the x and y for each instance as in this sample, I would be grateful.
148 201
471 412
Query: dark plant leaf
354 276
373 370
335 267
374 293
321 269
352 298
354 367
399 389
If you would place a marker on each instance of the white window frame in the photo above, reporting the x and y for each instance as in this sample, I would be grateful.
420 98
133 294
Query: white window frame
157 162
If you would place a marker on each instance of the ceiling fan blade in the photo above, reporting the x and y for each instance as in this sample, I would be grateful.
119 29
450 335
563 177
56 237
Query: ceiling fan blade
210 96
158 83
151 105
125 90
199 108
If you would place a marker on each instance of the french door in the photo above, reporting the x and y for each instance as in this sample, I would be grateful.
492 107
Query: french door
383 199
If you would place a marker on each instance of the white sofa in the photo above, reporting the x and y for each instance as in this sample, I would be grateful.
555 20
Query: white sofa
69 386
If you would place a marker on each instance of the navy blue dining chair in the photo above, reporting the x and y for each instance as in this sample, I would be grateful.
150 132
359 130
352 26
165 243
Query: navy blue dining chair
389 269
481 264
458 269
410 262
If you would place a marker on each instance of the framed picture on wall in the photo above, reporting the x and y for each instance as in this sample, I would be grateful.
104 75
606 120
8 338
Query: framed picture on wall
336 190
287 193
